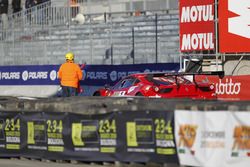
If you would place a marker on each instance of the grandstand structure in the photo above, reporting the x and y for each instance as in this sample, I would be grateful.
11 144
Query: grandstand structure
106 32
98 32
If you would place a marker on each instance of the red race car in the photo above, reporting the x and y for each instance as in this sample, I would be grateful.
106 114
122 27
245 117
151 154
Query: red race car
162 85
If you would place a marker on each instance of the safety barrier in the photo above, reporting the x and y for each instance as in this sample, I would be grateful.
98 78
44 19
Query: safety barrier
125 130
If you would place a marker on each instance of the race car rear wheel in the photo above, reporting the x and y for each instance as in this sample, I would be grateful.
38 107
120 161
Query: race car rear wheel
139 94
97 94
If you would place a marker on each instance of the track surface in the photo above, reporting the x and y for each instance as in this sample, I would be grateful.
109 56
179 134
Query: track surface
35 163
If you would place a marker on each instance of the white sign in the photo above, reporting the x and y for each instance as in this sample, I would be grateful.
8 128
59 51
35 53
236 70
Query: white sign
200 137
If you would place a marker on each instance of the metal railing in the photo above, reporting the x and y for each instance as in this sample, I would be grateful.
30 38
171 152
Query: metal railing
42 34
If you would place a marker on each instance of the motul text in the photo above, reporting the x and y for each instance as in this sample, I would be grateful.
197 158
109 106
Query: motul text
197 41
197 13
196 25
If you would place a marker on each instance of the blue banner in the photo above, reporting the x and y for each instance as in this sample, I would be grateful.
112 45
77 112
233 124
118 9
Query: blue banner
99 75
29 75
93 75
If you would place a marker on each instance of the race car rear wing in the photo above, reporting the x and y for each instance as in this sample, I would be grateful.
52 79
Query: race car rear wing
176 74
160 74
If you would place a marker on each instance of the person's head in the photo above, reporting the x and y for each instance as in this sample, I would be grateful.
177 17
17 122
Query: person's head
69 57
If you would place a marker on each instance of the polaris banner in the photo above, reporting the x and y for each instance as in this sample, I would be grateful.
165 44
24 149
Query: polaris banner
29 75
95 75
118 136
99 75
42 80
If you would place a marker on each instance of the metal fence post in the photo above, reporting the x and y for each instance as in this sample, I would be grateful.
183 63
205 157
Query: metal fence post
217 36
156 38
133 44
112 58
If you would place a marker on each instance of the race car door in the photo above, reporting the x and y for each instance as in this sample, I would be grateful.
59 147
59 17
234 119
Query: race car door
121 89
185 87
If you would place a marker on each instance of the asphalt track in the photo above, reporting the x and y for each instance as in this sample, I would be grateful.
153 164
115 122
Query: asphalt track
36 163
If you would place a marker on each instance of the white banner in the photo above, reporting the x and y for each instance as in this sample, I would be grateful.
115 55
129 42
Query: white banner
238 142
200 137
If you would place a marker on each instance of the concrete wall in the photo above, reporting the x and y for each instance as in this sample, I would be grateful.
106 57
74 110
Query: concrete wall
235 67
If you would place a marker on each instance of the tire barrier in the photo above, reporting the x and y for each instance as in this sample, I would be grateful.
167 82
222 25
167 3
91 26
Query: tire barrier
97 129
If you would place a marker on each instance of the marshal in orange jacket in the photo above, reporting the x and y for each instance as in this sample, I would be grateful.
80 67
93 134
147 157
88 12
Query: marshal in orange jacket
70 74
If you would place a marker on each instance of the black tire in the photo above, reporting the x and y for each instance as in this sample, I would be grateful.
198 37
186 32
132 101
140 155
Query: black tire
139 94
97 94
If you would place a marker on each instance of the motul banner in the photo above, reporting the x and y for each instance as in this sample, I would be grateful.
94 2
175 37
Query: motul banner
196 25
234 29
229 87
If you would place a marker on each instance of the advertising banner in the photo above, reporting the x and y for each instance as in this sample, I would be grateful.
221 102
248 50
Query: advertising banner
234 29
44 134
10 134
95 75
213 138
42 80
29 75
141 136
99 75
238 143
93 138
148 137
201 137
197 26
229 87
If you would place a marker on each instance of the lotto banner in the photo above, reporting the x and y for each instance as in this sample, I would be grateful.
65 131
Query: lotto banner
229 87
234 29
118 136
201 137
196 25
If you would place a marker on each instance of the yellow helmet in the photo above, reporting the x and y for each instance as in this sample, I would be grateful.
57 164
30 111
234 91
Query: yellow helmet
69 56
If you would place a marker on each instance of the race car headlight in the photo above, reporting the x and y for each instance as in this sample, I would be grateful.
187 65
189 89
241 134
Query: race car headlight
147 88
107 93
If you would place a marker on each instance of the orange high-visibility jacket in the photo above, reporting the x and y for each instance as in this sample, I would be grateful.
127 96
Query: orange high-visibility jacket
70 74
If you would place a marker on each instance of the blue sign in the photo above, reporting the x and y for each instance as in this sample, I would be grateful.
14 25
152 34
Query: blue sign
29 75
99 75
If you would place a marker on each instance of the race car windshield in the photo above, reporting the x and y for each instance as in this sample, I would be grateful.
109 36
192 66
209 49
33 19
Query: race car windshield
161 81
169 80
